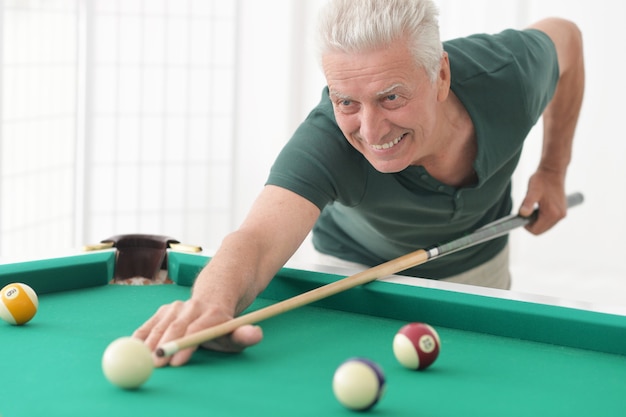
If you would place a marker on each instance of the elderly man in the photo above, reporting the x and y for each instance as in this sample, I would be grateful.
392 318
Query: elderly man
414 142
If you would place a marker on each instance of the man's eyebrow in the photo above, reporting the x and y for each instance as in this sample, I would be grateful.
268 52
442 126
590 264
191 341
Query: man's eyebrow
386 91
389 89
337 94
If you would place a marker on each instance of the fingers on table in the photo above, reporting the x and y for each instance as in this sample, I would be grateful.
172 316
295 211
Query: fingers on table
179 319
170 322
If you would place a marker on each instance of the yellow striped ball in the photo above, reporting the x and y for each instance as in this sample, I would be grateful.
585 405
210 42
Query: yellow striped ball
18 303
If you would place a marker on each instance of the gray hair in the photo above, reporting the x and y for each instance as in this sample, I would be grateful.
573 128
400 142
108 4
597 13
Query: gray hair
361 25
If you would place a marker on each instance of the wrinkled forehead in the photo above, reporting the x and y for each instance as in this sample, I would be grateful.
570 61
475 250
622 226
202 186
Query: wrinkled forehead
380 71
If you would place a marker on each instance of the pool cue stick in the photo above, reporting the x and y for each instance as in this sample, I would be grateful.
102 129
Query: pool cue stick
490 231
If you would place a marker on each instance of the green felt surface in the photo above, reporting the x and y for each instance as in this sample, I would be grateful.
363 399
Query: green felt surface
493 362
51 367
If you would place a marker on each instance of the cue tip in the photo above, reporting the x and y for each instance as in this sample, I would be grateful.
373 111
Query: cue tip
167 349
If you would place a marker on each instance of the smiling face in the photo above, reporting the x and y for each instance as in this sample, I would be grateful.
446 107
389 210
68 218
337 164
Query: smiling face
386 105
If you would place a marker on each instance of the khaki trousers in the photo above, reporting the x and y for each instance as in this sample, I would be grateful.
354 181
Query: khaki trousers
493 273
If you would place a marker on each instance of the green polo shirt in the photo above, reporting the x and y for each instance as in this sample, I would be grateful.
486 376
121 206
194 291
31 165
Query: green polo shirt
504 81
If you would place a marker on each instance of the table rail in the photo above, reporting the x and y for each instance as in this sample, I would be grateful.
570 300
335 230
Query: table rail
545 323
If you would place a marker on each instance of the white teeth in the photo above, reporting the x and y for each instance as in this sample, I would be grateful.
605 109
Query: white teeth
388 144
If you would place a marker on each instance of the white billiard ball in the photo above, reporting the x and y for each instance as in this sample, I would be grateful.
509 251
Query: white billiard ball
127 363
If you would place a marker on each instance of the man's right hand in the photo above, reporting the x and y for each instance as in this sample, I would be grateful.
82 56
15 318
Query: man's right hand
181 318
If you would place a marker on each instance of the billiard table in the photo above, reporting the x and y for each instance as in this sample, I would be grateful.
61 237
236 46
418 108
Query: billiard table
501 355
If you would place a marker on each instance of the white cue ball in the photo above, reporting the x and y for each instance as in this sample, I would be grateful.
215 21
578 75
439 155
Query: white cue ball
358 384
127 363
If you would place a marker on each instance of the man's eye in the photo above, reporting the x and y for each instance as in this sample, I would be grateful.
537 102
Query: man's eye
346 106
393 101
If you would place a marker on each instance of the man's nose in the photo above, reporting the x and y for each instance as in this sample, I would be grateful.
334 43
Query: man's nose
374 125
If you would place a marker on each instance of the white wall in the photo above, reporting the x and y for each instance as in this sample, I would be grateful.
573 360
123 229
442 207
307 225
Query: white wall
116 117
279 83
589 243
37 122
